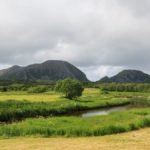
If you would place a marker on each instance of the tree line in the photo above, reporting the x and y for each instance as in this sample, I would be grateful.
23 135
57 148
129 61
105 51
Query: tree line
125 87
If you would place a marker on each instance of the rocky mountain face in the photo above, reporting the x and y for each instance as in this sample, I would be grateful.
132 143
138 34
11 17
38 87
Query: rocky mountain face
127 76
50 70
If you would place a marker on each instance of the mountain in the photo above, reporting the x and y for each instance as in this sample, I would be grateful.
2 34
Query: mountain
127 76
50 70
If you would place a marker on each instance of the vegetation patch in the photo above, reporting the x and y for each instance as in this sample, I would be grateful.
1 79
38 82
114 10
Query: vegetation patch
12 110
53 118
76 126
125 87
38 89
71 88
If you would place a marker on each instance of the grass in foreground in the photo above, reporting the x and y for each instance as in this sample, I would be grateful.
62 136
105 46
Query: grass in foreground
116 122
136 140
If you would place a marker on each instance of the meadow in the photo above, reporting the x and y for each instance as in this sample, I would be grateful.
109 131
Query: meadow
32 97
75 126
135 140
13 110
25 114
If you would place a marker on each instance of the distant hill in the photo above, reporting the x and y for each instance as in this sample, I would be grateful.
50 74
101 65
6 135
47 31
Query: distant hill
127 76
51 70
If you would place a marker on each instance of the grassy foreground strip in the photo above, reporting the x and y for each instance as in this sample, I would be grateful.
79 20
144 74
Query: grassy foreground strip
12 110
136 140
117 122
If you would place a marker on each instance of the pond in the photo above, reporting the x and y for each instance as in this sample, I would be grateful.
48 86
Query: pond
102 111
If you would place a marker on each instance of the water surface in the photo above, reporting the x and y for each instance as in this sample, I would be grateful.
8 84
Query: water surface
102 111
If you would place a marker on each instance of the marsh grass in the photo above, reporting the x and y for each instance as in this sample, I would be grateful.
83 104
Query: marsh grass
76 126
16 110
13 110
38 125
32 97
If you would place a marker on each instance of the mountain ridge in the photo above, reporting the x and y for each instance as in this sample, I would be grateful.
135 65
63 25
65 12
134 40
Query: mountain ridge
127 76
51 70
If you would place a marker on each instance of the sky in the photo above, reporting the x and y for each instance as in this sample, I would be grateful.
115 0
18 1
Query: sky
101 37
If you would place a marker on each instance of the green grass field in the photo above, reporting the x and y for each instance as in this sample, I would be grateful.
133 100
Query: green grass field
23 95
12 110
116 122
21 105
26 121
136 140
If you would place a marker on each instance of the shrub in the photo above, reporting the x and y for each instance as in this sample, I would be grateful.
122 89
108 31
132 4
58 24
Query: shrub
104 92
16 87
38 89
3 89
70 87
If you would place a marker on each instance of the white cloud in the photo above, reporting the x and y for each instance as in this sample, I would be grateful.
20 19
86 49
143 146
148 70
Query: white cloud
98 35
97 72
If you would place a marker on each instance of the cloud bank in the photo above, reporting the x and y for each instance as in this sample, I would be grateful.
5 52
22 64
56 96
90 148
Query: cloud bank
100 37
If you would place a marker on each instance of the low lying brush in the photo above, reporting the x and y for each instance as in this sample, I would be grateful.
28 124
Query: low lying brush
12 110
76 126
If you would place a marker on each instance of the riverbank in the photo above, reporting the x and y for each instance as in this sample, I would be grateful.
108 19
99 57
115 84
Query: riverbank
28 118
135 140
116 122
14 110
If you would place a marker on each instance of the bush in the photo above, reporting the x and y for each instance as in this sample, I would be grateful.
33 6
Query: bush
125 87
70 87
16 87
3 89
38 89
103 92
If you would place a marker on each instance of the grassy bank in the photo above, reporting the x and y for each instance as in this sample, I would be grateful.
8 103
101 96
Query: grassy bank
117 122
13 110
17 110
136 140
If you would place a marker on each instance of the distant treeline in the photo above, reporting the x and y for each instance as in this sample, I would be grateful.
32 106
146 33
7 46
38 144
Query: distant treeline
32 86
24 85
125 87
40 86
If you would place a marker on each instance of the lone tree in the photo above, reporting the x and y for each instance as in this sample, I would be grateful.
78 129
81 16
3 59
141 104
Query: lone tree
70 87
